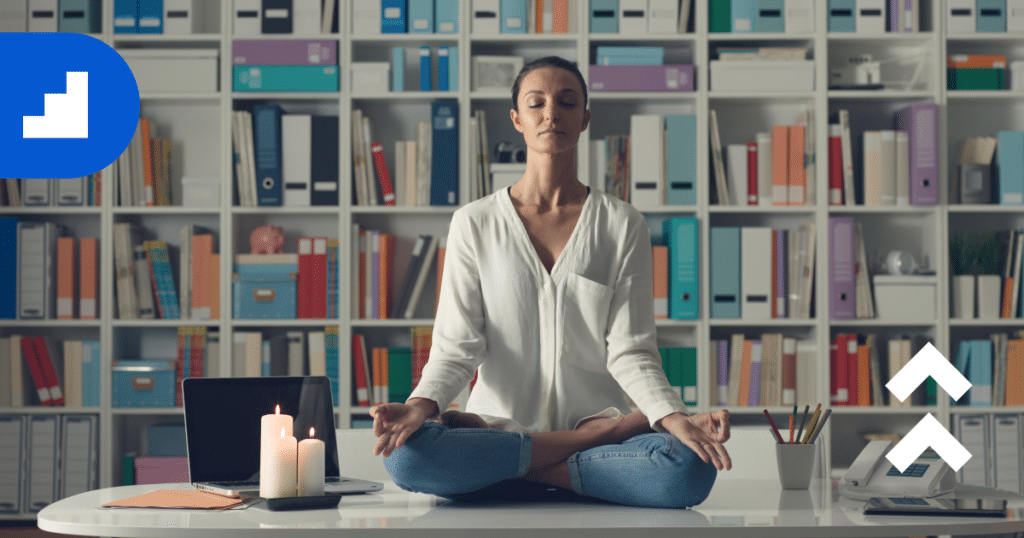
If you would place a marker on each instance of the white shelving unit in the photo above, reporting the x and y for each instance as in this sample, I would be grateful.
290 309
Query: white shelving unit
200 128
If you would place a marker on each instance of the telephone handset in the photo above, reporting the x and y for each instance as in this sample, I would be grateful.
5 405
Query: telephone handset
872 475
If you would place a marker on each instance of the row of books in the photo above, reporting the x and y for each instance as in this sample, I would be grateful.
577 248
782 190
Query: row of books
141 176
996 444
741 287
389 374
770 369
637 16
1010 256
995 368
49 275
438 70
433 180
375 275
297 160
652 166
371 17
293 353
255 17
76 191
772 170
46 458
145 283
196 347
37 370
745 16
862 364
849 287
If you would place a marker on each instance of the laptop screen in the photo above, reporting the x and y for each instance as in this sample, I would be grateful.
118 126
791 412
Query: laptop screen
222 422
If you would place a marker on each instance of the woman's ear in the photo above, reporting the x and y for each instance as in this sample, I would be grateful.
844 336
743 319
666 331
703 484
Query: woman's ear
586 119
515 119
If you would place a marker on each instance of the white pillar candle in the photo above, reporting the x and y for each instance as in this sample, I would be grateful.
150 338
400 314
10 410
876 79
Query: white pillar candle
271 427
281 478
311 466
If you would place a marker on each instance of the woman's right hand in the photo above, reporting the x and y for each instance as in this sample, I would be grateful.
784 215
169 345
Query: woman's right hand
393 423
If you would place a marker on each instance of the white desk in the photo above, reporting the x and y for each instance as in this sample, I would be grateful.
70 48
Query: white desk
735 509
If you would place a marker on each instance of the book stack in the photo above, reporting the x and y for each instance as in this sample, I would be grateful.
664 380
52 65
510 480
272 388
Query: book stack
285 65
770 369
860 363
141 176
634 68
26 380
976 72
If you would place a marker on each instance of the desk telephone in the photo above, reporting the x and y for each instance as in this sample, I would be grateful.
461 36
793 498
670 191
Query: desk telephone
872 475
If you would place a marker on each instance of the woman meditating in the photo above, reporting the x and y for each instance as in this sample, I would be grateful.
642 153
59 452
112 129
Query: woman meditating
547 290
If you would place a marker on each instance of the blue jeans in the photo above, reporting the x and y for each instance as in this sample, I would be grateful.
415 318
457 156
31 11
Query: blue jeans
650 470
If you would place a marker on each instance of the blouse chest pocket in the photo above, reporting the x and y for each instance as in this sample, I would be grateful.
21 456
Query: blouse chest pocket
585 322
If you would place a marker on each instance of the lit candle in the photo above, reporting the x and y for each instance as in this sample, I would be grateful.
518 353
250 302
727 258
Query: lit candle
311 466
275 430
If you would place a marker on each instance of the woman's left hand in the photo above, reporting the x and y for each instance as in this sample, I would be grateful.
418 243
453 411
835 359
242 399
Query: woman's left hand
704 434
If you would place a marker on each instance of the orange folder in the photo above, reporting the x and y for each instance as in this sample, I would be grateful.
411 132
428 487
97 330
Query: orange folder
65 278
87 279
780 166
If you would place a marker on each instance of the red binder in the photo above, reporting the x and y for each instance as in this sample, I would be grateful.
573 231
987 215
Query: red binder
28 349
49 371
197 352
359 364
751 174
841 367
835 170
312 286
386 189
853 369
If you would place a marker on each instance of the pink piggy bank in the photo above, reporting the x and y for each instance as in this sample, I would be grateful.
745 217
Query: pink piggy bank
267 240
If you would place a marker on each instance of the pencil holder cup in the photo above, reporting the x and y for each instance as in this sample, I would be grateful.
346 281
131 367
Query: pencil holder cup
796 464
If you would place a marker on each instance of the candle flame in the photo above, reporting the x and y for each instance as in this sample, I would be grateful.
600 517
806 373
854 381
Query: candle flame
311 433
283 433
277 409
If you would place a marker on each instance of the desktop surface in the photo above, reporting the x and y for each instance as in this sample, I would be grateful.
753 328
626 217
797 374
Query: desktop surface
735 508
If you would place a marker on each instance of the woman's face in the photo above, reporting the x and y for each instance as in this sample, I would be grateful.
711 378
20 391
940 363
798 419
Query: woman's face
551 114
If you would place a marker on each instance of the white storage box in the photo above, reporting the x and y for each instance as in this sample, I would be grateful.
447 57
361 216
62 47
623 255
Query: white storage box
371 77
173 70
905 297
762 75
200 192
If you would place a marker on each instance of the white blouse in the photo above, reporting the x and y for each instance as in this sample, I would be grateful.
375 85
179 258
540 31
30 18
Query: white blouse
552 349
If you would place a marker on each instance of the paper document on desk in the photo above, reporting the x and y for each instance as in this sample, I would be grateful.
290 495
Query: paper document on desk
170 498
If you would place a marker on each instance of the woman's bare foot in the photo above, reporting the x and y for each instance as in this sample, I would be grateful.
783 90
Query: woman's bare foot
617 430
457 419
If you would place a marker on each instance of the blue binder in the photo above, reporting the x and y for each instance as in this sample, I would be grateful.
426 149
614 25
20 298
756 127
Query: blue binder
991 16
1010 157
446 16
324 155
444 152
91 373
151 16
397 69
424 68
9 268
681 163
453 68
770 16
421 16
744 15
126 16
604 16
963 357
980 365
392 16
725 272
842 15
680 234
442 69
80 16
513 16
266 136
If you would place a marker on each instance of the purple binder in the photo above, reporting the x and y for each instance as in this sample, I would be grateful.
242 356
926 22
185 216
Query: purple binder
920 122
780 274
284 52
754 394
641 78
723 372
842 294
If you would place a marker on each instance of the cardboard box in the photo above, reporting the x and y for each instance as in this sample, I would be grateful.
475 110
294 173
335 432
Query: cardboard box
173 70
762 75
905 297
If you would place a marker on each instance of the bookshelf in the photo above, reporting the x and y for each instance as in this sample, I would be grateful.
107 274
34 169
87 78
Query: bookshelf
200 127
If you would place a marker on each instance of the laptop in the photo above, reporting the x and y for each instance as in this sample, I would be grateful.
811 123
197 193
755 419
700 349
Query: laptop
222 430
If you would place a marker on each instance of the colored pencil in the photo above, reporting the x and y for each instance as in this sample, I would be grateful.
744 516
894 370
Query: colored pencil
775 430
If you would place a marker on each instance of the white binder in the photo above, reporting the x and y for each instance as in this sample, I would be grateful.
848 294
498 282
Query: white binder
755 281
486 17
871 16
662 16
646 160
633 16
247 16
69 191
12 467
736 171
365 17
961 17
296 164
78 455
43 462
35 192
37 246
305 17
1015 17
971 431
799 17
902 168
14 18
1006 452
888 166
42 15
181 17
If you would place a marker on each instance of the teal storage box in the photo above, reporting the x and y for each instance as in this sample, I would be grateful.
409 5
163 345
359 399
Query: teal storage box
264 295
285 78
143 384
976 79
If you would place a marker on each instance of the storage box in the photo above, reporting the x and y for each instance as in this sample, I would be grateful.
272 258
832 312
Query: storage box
762 75
143 384
285 78
200 192
905 297
641 78
371 77
264 295
173 70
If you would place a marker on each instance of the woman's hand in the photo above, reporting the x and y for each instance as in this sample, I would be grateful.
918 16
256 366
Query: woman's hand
703 433
393 423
